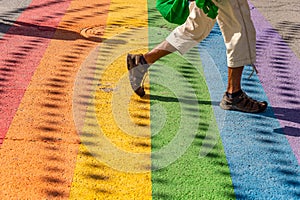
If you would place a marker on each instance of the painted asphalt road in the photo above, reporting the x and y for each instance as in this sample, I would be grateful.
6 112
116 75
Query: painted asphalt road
65 131
9 12
31 36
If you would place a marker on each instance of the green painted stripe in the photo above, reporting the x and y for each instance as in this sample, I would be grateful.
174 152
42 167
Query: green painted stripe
188 177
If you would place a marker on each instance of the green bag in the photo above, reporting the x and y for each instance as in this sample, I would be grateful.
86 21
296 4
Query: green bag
177 11
174 11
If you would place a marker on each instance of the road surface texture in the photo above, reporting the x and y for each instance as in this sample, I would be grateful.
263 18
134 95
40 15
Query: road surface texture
71 127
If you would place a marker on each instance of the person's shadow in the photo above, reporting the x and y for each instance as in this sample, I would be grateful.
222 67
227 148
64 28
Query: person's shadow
285 114
33 30
289 115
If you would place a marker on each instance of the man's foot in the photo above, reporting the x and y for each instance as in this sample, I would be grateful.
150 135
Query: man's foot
137 67
243 103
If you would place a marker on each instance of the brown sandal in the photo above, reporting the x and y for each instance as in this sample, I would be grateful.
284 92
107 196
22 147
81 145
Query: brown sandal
137 67
243 103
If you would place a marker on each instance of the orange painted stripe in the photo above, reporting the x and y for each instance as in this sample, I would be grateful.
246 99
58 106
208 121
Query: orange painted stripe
40 148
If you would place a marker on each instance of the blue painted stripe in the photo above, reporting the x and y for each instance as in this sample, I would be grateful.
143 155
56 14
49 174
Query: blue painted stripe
261 161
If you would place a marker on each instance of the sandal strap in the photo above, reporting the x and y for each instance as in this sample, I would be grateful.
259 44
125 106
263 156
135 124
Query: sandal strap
250 104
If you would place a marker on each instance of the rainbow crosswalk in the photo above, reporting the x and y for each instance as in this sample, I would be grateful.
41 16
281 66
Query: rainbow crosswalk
71 128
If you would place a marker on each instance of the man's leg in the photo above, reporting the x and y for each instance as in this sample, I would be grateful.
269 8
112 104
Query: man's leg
235 98
181 39
238 31
163 49
234 79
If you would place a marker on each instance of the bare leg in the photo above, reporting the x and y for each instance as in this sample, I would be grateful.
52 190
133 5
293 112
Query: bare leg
161 50
234 79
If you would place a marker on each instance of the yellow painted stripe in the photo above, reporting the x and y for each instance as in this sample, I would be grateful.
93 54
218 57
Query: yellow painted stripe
114 157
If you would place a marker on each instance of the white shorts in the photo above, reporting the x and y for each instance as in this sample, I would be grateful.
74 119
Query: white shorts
236 26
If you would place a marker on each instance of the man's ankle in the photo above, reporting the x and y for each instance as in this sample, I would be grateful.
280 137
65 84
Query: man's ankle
234 94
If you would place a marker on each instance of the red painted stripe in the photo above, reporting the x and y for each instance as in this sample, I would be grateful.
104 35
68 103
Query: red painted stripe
22 48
